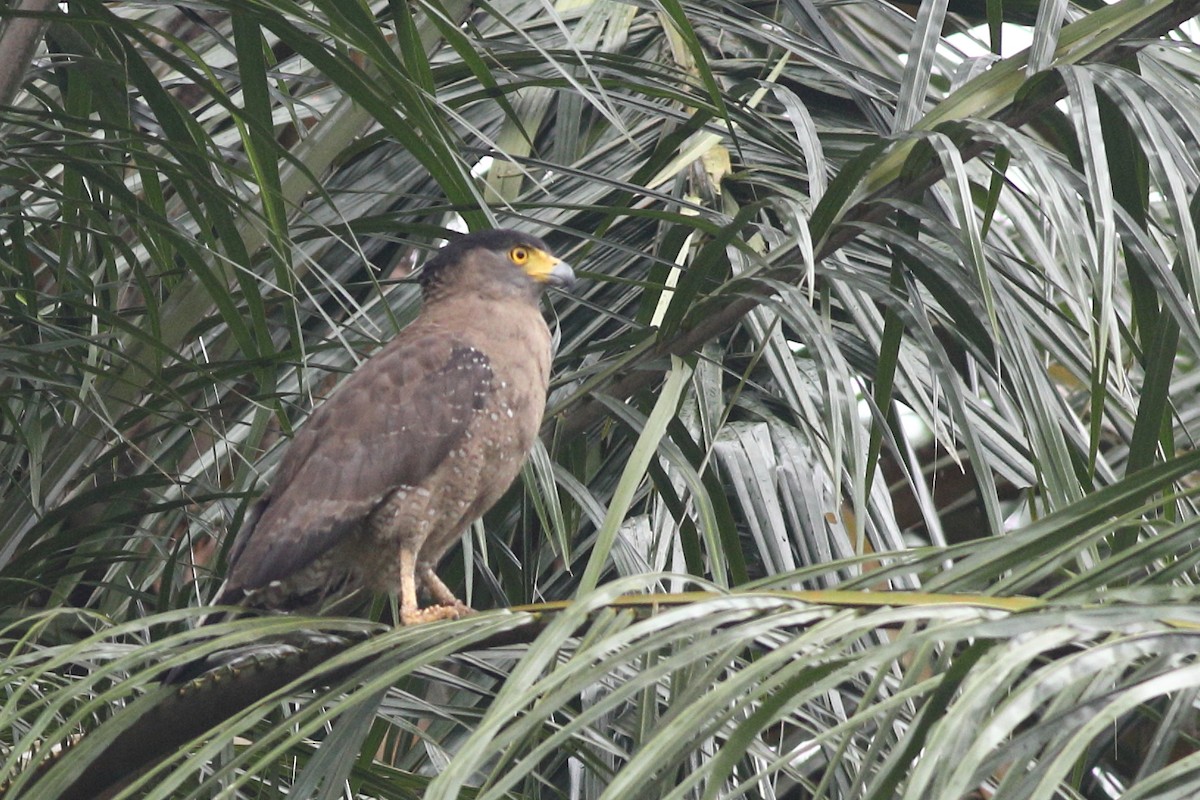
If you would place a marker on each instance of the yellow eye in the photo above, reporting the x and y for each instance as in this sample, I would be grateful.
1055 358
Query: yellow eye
519 255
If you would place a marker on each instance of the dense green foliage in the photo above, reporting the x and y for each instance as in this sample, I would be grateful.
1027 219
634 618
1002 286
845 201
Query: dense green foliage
877 403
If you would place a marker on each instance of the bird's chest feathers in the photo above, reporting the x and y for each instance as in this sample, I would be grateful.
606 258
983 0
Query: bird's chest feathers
511 412
504 348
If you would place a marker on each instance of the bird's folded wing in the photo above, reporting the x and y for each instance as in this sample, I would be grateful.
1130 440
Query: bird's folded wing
389 424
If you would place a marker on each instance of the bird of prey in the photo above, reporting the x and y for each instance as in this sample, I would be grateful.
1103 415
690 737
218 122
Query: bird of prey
415 445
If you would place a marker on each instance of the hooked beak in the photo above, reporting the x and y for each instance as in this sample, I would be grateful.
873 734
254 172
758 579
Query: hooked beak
561 276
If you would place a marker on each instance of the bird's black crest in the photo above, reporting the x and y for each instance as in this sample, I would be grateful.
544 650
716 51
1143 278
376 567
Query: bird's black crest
500 241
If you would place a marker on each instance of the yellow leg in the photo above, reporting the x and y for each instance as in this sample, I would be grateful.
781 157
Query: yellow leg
440 592
409 613
450 607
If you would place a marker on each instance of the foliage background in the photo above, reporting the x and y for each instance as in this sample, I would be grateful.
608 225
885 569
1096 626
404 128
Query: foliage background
877 400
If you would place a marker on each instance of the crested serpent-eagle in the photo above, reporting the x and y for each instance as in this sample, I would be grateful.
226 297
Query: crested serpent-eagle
415 445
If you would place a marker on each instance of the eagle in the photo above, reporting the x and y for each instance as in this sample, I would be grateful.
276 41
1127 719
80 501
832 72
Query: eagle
417 443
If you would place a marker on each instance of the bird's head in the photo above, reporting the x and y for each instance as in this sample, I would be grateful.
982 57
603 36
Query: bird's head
504 259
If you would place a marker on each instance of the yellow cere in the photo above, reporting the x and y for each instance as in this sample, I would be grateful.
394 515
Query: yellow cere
538 264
